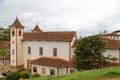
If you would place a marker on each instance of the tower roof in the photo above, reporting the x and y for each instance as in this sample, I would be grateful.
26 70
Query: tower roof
17 23
36 29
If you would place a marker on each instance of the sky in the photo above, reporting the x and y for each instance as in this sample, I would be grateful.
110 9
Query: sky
86 17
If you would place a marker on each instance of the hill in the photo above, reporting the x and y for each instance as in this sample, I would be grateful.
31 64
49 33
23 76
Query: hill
100 74
4 49
4 34
4 42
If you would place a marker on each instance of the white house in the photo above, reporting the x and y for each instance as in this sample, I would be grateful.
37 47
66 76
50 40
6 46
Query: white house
45 53
112 47
4 60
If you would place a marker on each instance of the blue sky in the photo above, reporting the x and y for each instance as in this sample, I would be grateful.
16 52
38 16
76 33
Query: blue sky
86 17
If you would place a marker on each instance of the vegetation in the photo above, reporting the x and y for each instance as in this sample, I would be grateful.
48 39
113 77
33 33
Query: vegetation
2 78
17 76
116 31
5 35
25 75
88 53
4 53
13 76
112 74
1 28
85 75
35 75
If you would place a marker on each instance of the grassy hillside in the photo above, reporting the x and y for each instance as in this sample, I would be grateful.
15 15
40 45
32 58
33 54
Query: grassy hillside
86 75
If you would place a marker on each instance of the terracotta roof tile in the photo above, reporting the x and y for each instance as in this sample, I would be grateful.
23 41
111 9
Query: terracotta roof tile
50 36
52 62
111 44
17 23
5 58
110 34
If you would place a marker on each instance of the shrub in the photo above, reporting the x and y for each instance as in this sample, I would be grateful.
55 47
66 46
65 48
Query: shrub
13 76
112 74
2 79
25 75
35 75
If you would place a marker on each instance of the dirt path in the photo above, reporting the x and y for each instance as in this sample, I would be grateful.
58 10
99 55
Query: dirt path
118 78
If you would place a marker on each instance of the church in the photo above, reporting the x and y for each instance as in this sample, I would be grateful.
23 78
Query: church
45 53
51 53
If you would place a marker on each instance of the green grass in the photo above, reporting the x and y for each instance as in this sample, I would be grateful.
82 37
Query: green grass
85 75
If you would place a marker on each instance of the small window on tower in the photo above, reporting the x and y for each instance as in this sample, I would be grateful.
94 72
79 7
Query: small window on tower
29 50
13 61
13 51
13 42
19 33
13 33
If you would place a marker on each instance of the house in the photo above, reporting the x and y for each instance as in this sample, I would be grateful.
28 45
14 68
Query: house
4 60
112 47
45 53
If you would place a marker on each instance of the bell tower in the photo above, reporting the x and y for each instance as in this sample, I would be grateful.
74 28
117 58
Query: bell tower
16 50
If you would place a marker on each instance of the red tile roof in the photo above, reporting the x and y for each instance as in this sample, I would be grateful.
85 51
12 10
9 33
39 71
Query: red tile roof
17 23
111 44
50 36
5 58
110 34
52 62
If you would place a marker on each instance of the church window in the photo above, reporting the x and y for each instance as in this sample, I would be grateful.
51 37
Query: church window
43 71
41 51
34 69
19 33
29 50
54 52
13 33
13 51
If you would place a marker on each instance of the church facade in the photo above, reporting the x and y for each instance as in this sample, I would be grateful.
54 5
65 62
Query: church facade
45 53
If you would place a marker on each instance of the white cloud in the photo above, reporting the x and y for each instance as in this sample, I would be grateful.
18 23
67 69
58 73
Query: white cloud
87 17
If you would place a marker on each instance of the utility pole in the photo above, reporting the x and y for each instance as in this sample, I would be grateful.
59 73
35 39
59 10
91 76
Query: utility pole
102 61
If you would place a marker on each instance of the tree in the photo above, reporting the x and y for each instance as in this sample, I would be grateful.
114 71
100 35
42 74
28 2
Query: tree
88 52
13 76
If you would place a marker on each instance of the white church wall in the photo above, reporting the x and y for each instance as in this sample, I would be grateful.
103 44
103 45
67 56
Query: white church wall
62 49
112 52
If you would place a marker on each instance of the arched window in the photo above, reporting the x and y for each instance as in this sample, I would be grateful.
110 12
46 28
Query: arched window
34 69
52 72
72 71
19 33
